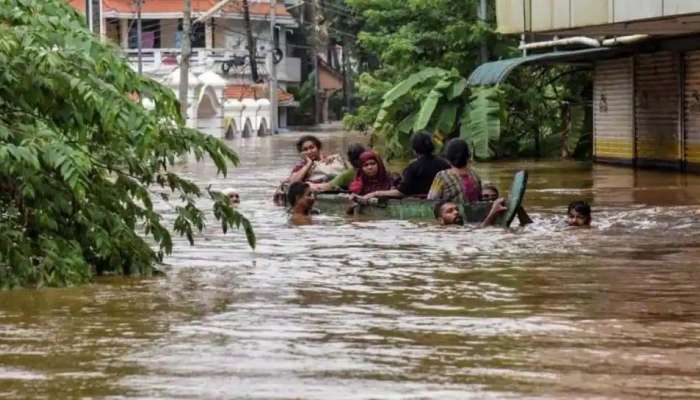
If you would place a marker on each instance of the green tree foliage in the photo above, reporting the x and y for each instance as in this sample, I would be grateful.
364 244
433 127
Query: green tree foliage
406 36
547 113
441 102
78 155
539 112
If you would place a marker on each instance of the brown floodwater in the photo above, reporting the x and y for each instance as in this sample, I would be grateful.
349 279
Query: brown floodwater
388 309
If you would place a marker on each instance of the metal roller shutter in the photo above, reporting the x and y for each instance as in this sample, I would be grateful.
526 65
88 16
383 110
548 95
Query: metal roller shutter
613 110
691 108
657 105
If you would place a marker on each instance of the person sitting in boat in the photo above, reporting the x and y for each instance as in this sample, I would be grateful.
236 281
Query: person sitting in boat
419 175
460 183
301 200
314 166
579 214
343 180
489 192
372 176
448 213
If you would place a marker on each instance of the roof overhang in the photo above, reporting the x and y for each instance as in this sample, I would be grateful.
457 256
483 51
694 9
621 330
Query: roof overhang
495 72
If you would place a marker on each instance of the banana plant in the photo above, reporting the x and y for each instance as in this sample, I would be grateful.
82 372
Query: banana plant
439 101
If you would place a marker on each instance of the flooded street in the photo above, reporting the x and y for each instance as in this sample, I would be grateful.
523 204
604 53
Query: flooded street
349 309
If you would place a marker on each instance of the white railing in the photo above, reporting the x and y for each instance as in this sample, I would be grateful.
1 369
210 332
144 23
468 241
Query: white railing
289 69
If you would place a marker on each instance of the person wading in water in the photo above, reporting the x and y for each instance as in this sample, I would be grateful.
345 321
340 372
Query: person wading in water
448 213
301 200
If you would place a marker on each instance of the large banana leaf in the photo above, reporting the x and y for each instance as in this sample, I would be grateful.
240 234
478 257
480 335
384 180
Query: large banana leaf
481 123
427 109
406 125
457 89
407 84
447 116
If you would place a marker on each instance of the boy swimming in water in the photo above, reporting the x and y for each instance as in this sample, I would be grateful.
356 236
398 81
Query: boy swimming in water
579 214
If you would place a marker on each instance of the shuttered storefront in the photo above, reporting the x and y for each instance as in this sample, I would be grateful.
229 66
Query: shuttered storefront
692 109
657 109
613 110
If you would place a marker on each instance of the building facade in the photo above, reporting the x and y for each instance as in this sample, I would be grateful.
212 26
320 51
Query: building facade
646 60
220 65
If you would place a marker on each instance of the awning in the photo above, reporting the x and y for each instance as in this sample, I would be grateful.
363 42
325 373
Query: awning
495 72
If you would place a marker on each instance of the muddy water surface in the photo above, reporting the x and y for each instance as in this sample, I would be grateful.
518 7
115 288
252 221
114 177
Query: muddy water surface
388 309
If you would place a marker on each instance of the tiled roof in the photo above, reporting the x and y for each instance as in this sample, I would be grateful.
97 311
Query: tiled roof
171 6
240 92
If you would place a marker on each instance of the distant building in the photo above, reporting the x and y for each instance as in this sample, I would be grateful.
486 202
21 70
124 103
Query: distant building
646 60
219 62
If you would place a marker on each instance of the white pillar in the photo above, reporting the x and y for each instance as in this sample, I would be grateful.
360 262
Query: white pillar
124 33
208 35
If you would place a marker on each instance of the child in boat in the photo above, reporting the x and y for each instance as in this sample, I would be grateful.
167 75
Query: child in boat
372 176
460 183
489 192
579 214
233 198
448 213
301 200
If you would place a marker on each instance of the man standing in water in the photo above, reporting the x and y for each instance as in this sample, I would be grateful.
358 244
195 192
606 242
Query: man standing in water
301 200
448 213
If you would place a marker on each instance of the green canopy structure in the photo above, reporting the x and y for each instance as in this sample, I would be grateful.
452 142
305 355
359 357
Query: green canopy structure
495 72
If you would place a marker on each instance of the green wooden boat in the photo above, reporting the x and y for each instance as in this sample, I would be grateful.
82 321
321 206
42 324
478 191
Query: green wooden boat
420 209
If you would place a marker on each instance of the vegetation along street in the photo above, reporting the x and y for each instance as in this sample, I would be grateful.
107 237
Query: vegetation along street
349 199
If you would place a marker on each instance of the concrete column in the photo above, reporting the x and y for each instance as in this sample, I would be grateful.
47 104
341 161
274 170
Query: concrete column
124 33
208 35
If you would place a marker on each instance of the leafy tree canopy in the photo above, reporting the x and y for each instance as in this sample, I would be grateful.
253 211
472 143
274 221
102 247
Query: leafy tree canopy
78 155
423 51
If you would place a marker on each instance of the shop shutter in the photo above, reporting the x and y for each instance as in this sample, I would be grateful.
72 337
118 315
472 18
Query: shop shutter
613 110
657 106
692 109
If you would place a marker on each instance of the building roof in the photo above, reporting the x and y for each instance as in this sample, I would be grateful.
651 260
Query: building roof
175 6
495 72
240 92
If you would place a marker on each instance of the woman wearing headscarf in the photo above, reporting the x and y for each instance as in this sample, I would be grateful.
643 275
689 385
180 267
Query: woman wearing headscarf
372 175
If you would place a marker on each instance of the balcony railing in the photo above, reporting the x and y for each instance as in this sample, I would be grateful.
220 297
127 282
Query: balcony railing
289 69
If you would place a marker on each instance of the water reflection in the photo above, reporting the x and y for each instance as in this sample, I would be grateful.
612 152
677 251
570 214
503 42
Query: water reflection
388 309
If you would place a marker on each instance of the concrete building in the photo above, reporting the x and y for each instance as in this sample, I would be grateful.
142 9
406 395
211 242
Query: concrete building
219 62
646 60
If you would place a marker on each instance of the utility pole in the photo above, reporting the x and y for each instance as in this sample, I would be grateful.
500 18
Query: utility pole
251 42
347 77
314 49
185 58
139 4
317 90
483 16
273 69
88 13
